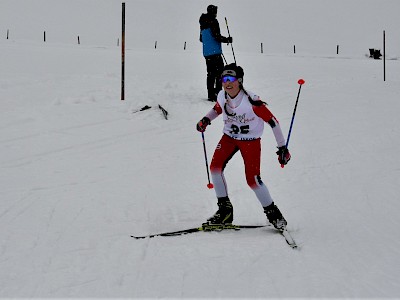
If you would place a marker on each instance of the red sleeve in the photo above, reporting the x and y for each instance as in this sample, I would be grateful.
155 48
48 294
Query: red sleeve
263 112
218 108
214 112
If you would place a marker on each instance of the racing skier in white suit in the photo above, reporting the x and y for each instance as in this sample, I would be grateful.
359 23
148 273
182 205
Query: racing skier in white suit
244 115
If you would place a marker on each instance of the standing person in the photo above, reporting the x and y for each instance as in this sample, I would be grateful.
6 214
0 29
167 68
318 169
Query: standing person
210 36
244 115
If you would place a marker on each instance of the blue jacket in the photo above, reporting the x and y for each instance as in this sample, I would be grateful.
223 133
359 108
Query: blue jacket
210 45
210 35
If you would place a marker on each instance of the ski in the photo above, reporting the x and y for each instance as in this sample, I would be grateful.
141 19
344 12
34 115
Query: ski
164 111
206 228
289 239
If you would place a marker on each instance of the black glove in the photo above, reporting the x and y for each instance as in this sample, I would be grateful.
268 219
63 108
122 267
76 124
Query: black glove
229 40
283 155
203 123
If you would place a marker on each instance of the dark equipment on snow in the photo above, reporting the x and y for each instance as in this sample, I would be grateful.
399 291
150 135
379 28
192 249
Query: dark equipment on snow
165 113
218 228
375 53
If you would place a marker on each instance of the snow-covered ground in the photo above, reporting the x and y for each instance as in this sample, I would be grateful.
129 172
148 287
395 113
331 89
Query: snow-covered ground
81 170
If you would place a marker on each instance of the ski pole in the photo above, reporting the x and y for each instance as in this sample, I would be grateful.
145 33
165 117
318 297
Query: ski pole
300 82
223 56
227 27
209 185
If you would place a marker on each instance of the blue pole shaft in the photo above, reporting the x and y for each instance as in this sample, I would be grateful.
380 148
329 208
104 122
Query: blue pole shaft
294 113
301 82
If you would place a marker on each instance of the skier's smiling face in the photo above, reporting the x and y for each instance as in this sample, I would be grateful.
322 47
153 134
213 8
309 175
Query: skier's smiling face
231 85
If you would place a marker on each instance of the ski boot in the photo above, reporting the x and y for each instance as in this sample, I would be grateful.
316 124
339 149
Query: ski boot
222 217
275 217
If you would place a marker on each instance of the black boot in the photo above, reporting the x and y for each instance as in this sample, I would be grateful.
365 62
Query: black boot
224 214
275 216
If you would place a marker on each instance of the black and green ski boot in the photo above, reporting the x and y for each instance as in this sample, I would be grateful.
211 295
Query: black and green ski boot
224 214
275 217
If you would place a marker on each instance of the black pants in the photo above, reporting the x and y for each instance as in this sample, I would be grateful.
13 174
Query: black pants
215 65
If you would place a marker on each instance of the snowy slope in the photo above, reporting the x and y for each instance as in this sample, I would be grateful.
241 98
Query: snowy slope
82 170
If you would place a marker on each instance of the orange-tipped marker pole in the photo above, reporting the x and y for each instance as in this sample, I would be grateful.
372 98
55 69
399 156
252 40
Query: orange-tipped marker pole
209 185
300 82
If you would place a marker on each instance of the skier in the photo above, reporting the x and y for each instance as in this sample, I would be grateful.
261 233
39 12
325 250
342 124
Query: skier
244 115
210 36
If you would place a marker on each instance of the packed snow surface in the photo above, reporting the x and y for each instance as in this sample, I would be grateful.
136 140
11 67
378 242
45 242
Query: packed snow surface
82 171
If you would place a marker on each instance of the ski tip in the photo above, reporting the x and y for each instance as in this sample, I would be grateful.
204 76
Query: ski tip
289 239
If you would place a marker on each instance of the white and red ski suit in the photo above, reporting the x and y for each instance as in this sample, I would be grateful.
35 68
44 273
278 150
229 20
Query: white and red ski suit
243 128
